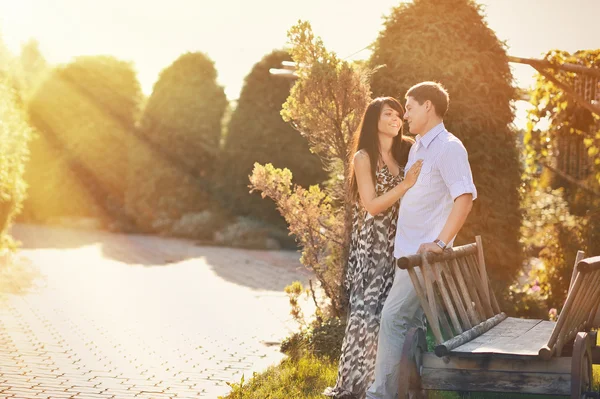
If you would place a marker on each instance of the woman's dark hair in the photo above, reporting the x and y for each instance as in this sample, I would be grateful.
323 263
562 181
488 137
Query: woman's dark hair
367 138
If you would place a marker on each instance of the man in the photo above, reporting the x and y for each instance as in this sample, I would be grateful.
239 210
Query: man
431 214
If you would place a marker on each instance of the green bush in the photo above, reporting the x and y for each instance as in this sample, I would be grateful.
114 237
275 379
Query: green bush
256 133
85 113
450 42
320 339
15 135
172 159
326 104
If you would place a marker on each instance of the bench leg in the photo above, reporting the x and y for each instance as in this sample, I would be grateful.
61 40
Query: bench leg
581 366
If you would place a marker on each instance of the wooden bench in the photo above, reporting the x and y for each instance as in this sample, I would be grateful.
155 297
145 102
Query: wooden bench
479 348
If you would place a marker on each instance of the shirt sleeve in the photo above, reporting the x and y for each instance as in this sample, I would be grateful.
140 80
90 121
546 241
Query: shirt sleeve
454 168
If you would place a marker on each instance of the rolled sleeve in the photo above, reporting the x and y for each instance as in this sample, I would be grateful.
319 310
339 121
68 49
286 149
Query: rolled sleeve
454 168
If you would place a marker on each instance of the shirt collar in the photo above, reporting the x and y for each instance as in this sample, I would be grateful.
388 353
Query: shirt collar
428 137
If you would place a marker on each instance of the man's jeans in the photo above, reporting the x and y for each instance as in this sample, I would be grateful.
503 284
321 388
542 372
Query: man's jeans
401 312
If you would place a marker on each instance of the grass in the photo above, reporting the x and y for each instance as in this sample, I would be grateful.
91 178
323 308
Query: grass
304 379
309 376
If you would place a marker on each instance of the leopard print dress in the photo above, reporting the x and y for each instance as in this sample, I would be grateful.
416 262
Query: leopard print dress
368 281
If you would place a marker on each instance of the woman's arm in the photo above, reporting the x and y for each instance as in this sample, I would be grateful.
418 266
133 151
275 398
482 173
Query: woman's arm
366 186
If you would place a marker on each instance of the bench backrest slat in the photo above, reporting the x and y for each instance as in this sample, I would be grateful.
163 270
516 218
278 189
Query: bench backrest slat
580 306
453 289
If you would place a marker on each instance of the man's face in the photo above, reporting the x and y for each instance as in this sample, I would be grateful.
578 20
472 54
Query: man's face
416 115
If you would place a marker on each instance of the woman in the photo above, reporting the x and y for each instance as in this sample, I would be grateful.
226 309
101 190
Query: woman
379 155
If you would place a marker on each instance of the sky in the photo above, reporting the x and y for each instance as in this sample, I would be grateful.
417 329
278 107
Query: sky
238 33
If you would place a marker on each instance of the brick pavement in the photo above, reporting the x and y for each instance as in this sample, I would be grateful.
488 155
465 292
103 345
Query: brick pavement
126 316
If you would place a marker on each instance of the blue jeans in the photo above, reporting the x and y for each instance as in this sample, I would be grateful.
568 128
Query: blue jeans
401 311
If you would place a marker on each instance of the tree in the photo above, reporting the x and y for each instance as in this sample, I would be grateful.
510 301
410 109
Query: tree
85 113
325 105
256 133
571 143
178 140
450 42
15 135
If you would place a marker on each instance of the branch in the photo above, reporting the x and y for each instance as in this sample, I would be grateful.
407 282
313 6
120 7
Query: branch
318 232
301 222
572 180
591 71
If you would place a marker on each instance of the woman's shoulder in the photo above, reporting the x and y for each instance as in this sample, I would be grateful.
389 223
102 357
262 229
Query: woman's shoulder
361 157
362 153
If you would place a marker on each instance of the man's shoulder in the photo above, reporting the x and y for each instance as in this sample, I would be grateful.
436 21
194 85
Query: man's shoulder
448 137
451 142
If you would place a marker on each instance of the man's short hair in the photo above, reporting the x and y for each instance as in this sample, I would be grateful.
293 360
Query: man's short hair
432 91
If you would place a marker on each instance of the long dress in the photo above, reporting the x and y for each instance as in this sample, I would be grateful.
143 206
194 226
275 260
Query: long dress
368 281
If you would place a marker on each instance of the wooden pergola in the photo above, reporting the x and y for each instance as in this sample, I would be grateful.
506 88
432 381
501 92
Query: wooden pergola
585 90
587 83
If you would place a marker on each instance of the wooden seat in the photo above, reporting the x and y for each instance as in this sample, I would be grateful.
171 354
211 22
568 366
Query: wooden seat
511 337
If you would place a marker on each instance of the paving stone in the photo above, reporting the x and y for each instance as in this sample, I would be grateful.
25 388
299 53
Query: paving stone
134 316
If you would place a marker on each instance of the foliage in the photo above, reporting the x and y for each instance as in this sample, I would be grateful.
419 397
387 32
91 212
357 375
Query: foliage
564 115
322 339
329 97
256 133
294 291
450 42
15 134
554 235
314 221
325 105
176 144
305 378
246 232
85 113
200 225
572 218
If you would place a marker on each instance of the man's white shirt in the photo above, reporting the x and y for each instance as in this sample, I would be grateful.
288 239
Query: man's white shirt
445 175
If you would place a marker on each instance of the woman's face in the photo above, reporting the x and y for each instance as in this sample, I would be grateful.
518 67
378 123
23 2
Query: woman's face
390 121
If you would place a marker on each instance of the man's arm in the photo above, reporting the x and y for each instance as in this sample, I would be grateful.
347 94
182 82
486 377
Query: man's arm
460 210
455 170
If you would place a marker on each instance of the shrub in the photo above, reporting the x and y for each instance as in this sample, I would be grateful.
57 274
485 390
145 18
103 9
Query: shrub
15 135
175 148
450 42
256 133
85 114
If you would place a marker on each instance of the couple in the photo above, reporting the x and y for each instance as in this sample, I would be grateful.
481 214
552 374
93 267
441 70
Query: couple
410 198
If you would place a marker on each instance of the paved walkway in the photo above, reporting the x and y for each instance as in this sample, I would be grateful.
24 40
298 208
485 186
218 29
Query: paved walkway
128 316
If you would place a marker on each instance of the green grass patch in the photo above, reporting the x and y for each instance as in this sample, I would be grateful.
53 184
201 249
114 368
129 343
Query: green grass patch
305 378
